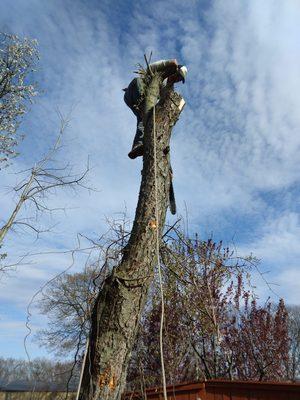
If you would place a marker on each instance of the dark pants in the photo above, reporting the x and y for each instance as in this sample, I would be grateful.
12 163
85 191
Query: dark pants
139 134
133 97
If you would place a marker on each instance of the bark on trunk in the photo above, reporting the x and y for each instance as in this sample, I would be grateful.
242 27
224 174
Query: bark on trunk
119 305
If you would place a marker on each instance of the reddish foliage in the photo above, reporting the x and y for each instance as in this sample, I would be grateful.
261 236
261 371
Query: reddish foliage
214 326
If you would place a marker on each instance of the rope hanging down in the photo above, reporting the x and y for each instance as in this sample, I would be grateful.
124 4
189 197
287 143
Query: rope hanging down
159 266
160 279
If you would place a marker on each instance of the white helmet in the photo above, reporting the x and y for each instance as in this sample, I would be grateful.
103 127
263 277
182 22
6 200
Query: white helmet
182 69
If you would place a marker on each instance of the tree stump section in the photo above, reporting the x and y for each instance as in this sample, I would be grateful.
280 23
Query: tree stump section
120 303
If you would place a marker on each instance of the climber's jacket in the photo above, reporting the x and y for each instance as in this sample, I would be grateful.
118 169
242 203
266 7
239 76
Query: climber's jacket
171 72
135 92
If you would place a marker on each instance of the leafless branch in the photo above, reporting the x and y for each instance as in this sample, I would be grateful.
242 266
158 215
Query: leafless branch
43 180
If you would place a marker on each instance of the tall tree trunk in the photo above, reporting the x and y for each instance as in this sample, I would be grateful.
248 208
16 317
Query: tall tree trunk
119 305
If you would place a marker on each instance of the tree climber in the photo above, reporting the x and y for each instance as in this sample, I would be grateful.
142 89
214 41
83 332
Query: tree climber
171 72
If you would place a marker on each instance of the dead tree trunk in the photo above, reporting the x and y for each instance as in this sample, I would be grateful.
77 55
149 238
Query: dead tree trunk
119 305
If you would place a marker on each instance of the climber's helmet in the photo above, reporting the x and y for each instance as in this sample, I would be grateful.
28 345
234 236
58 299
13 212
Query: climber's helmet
182 69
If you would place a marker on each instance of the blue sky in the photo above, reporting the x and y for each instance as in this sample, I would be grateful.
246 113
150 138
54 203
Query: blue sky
235 150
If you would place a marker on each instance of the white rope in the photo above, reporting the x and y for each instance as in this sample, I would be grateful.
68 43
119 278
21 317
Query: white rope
82 368
160 279
159 267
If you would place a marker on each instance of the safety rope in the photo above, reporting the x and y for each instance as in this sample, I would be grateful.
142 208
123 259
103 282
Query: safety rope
82 368
159 266
159 274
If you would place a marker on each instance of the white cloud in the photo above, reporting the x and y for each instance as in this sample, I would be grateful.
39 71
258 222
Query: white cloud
289 280
237 139
278 247
279 240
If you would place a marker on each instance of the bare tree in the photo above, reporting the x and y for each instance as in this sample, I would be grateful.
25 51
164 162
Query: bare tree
37 370
67 302
17 60
43 179
118 307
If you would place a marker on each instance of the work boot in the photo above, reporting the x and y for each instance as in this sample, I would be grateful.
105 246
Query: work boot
137 151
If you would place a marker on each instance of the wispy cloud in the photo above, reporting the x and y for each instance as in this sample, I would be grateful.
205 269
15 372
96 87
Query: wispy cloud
234 150
277 245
